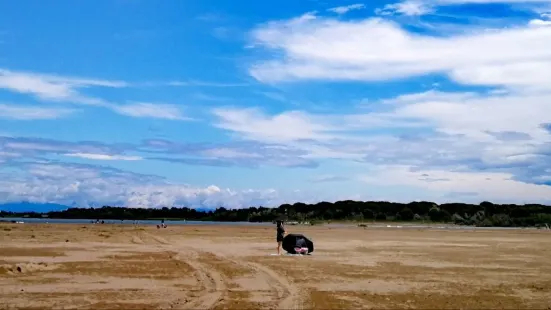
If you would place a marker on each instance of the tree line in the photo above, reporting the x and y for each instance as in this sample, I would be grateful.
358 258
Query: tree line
483 214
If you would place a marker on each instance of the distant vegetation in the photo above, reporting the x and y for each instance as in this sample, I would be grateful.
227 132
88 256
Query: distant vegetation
483 214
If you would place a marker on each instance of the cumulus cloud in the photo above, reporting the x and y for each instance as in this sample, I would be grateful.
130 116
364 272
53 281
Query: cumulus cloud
540 23
36 178
87 185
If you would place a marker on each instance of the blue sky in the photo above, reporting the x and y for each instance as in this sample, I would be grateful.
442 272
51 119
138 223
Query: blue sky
222 103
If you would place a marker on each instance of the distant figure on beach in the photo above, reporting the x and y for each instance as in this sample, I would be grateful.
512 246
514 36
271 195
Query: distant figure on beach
280 235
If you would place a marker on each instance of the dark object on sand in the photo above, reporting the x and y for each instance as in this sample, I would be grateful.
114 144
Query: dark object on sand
292 241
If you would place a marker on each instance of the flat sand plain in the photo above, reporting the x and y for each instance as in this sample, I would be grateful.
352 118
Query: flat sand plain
65 266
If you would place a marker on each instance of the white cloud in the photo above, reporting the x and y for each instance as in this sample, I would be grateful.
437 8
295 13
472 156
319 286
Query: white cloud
497 187
204 84
25 112
472 131
285 127
516 61
472 116
103 156
84 185
51 87
230 153
290 127
152 110
31 147
347 8
422 7
328 178
540 23
457 2
379 50
409 8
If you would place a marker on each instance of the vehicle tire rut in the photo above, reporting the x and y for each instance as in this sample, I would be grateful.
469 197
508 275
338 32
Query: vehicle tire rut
214 283
287 294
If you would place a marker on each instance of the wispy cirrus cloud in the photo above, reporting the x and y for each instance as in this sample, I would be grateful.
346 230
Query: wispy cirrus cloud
422 7
29 148
103 156
288 126
57 88
28 112
329 178
347 8
51 87
322 48
409 8
196 83
152 110
242 154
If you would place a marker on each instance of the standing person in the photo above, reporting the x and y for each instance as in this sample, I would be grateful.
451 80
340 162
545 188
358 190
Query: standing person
280 234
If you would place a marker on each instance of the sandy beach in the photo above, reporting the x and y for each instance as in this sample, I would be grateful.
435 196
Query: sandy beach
66 266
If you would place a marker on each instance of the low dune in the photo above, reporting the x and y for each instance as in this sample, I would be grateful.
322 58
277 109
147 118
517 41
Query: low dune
89 266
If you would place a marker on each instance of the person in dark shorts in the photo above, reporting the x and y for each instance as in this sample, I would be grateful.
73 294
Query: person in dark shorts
280 234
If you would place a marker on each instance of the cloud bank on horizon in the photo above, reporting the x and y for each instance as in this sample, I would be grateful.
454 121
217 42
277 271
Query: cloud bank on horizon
446 100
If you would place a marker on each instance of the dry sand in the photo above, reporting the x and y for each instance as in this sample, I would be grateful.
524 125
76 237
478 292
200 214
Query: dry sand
89 266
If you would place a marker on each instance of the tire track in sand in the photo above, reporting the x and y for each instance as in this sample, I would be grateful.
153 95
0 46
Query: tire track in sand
175 300
287 293
213 283
159 240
